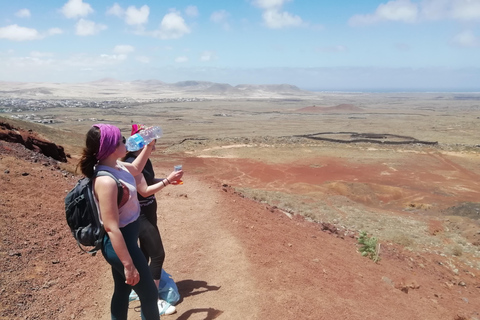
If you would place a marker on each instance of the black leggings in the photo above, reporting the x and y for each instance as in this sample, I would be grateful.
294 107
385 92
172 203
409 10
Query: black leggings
145 288
150 240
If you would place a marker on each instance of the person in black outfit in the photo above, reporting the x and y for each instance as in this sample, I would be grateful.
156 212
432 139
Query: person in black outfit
149 234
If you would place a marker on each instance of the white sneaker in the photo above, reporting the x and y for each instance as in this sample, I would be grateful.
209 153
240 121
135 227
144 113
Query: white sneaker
165 308
133 296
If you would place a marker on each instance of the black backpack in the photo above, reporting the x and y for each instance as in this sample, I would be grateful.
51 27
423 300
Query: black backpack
82 214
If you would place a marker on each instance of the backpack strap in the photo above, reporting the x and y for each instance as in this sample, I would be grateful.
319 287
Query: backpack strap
99 242
119 184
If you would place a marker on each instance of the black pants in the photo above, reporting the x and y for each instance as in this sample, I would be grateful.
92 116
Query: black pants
145 288
150 240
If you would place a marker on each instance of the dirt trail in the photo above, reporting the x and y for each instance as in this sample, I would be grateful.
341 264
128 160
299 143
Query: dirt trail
206 260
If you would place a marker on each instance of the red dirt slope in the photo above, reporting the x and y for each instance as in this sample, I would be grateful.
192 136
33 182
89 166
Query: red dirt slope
232 258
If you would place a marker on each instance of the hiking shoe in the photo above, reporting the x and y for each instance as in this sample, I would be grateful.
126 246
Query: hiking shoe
165 308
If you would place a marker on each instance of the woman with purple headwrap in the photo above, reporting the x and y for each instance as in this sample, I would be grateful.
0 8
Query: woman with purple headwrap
104 146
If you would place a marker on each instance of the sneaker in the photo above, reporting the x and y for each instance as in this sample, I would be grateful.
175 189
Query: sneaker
133 296
165 308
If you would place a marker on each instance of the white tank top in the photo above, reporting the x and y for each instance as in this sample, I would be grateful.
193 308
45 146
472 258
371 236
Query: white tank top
130 211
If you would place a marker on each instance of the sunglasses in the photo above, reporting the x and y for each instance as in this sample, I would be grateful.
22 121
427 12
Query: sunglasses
122 141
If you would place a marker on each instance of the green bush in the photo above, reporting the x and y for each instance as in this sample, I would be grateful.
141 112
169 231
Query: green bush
369 246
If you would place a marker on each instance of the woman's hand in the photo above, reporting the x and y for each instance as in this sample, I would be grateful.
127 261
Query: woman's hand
152 143
175 176
132 277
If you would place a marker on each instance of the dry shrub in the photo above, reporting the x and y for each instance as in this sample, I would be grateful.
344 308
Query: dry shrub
456 250
402 239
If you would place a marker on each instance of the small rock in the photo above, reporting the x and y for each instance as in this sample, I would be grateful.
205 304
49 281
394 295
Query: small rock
25 174
387 281
6 171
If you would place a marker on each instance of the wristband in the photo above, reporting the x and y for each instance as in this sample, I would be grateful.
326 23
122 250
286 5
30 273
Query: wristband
168 181
163 183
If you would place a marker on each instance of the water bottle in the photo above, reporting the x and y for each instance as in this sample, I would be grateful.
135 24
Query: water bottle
142 138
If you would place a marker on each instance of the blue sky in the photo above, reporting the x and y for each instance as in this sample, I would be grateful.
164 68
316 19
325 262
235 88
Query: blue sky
423 45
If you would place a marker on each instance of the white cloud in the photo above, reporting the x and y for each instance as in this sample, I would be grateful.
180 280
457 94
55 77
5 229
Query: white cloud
97 61
134 16
16 33
409 12
221 17
466 39
270 4
7 52
276 20
116 10
143 59
76 8
123 49
28 63
38 54
181 59
434 9
88 28
466 10
396 10
191 11
173 26
54 31
208 56
23 13
113 57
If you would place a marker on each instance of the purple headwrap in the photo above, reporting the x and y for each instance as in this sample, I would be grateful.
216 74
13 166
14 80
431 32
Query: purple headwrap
109 138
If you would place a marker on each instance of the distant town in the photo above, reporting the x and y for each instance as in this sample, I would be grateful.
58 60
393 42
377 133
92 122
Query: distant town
21 108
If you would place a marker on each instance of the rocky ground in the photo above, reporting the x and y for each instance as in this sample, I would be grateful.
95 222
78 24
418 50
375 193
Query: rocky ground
232 257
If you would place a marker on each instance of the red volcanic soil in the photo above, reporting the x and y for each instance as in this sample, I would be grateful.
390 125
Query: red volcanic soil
339 108
232 257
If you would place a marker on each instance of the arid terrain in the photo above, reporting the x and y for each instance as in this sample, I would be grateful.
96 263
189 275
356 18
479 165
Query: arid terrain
266 224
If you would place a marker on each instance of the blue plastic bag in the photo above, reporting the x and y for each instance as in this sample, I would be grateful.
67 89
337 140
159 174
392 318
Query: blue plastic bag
167 290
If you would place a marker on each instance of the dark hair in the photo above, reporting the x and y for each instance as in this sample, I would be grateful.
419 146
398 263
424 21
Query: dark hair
129 154
89 154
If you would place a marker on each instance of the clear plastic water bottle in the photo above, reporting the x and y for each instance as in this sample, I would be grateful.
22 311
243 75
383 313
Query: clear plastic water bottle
142 138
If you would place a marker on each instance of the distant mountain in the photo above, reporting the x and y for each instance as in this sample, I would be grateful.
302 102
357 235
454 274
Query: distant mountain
107 81
148 82
270 87
109 88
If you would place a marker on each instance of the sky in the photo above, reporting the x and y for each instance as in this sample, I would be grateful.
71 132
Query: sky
367 45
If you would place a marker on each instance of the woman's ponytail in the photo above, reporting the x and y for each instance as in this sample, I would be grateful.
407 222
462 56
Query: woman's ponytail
89 155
